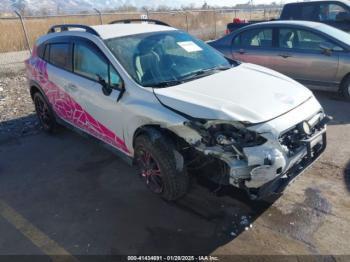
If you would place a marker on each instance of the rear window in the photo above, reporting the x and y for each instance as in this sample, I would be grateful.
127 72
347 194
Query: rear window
299 12
60 55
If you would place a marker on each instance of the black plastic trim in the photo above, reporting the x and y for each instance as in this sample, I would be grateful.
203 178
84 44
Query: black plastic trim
65 27
128 21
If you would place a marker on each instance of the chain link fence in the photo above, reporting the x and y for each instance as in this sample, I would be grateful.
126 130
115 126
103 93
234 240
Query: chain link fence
18 34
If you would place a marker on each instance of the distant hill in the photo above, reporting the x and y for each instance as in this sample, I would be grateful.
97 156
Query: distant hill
54 6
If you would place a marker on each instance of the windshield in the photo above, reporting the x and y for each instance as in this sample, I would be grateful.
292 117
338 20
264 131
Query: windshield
168 58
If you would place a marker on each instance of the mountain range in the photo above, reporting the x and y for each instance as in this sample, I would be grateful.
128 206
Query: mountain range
82 5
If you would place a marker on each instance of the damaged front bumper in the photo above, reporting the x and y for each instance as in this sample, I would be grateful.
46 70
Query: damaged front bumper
312 150
269 168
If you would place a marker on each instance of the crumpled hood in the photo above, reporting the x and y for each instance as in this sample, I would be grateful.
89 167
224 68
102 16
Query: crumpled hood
244 93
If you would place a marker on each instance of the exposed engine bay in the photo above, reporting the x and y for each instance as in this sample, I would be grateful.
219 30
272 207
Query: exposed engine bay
246 159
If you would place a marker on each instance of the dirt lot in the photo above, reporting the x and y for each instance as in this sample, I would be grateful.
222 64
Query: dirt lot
65 194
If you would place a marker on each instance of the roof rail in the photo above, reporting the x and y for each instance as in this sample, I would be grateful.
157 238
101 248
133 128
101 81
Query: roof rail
65 27
128 21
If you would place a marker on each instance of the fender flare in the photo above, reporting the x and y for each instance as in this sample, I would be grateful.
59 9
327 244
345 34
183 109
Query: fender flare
34 84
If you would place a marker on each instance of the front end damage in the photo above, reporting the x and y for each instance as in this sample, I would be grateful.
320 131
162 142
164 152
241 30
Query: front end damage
262 163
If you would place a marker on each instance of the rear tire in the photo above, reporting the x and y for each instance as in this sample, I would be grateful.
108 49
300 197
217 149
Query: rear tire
45 114
345 88
161 167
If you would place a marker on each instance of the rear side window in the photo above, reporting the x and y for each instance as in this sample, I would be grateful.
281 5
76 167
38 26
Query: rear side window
300 11
308 12
257 38
46 55
60 55
290 12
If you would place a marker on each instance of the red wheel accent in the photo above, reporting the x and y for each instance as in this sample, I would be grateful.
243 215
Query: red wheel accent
150 171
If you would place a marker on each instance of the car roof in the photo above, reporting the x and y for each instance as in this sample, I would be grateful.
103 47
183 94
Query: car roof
118 30
290 22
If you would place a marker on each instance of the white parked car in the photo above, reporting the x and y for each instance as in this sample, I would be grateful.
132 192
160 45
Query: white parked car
170 103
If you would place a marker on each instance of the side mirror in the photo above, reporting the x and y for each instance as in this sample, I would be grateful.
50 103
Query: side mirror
327 48
106 89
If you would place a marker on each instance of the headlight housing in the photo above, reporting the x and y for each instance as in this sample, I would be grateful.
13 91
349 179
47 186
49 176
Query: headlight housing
227 135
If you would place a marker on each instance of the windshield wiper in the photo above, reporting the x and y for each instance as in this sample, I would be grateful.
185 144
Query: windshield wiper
204 72
167 83
190 76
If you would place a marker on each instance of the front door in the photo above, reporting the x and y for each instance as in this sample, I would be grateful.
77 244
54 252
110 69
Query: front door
98 111
301 58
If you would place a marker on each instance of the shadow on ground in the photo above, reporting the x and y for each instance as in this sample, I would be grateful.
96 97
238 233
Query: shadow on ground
347 176
21 126
335 106
90 202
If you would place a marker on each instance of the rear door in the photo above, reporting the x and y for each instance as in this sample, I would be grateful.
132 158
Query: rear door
254 46
300 57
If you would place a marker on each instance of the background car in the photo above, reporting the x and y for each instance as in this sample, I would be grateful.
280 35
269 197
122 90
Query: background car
315 54
334 13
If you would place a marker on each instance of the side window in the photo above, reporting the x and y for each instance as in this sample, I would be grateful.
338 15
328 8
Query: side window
60 55
115 79
332 12
257 38
40 50
287 38
46 56
90 63
237 41
302 39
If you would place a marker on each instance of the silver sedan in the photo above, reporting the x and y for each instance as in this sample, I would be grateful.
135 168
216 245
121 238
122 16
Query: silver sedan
315 54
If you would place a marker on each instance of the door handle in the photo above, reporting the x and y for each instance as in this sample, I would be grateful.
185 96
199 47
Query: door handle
241 51
71 87
284 55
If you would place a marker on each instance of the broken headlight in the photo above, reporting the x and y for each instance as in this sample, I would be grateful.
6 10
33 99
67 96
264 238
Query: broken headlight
228 135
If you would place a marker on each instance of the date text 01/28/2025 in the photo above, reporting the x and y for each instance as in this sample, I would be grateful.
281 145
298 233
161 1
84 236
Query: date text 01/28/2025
172 258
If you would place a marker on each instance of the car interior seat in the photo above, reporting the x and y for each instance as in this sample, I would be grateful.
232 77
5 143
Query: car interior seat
288 40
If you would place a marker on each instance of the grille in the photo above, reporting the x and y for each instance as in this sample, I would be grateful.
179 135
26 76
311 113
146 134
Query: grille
293 137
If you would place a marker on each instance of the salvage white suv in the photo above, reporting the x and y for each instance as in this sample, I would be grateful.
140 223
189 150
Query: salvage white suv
172 104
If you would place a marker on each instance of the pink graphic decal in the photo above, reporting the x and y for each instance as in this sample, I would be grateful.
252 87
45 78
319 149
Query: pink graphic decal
66 108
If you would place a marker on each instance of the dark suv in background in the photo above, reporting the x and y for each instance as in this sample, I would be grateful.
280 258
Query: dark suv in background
333 13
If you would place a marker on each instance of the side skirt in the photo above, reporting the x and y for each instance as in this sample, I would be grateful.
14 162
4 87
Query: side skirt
124 157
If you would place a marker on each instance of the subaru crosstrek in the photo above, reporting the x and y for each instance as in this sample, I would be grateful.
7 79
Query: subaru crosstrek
171 104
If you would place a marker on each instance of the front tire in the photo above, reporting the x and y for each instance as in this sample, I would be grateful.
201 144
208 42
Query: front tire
161 167
44 112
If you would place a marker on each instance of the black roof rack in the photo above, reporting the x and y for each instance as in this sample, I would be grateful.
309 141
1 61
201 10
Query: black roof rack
128 21
65 27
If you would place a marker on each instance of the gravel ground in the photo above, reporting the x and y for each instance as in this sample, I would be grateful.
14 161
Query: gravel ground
17 116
